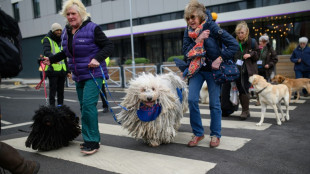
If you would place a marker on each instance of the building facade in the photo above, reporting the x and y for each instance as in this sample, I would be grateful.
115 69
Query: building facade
158 25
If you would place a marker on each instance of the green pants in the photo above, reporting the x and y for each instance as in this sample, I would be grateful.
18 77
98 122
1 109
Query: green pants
88 92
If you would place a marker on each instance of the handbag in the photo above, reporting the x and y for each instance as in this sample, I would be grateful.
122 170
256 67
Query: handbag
227 72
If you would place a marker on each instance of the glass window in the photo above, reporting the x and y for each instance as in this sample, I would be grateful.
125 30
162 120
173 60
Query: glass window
36 8
166 17
58 5
172 45
86 2
16 11
152 19
154 48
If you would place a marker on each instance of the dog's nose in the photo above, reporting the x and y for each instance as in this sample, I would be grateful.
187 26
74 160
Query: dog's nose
149 98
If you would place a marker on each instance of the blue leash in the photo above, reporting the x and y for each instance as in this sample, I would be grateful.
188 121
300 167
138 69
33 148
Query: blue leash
98 86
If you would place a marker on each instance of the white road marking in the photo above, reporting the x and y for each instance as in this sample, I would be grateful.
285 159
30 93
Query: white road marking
17 125
270 114
5 122
259 107
121 160
232 124
227 143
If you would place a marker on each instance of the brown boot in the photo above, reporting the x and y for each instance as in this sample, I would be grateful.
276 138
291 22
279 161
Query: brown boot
245 101
12 161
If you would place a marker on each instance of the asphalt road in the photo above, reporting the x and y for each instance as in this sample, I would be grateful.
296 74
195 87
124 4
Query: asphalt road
245 148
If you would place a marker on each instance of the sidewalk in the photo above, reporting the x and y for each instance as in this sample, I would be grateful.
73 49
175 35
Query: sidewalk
32 82
20 81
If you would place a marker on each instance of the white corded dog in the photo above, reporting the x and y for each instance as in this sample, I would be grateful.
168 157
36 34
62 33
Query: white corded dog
155 107
204 94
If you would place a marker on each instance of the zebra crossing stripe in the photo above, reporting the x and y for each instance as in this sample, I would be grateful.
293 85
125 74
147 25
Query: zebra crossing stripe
253 113
120 160
5 122
227 143
258 114
232 124
258 107
292 101
17 125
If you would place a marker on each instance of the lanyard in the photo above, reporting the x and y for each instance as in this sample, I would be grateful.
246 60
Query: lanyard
241 57
261 53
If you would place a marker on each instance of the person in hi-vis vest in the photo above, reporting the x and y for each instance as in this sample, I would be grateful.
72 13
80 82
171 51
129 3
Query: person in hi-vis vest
55 72
104 102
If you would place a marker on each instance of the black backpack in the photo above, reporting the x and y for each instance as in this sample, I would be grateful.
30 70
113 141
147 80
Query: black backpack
10 46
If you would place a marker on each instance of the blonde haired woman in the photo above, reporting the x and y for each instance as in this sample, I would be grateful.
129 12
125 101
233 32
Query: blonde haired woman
86 51
245 58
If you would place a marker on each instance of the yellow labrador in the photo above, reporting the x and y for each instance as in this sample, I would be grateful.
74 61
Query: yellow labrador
271 95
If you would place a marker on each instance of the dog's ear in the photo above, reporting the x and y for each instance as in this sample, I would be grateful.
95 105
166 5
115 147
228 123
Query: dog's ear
255 80
166 99
281 79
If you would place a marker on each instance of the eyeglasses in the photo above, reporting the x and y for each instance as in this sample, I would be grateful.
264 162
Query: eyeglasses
192 17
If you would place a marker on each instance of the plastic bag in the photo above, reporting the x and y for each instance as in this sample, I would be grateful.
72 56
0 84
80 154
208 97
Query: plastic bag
234 93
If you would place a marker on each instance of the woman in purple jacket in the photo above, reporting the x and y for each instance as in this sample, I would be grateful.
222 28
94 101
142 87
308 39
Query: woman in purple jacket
87 47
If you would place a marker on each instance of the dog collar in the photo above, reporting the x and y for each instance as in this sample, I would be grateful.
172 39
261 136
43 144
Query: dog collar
261 90
147 114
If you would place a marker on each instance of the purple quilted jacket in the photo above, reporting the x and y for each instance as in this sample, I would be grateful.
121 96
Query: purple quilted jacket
83 50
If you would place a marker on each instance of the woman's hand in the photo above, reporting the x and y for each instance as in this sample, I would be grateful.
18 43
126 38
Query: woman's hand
93 64
204 35
216 63
246 56
46 60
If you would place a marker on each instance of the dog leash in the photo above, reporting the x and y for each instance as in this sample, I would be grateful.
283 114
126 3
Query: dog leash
42 81
102 94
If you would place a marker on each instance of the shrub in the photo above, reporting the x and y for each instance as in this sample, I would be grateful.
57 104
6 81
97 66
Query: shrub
290 48
137 61
170 59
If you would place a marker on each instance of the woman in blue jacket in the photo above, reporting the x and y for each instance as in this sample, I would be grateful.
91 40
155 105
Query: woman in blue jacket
202 49
301 58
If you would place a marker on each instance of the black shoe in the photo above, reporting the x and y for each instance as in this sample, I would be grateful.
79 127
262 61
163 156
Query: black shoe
105 110
90 148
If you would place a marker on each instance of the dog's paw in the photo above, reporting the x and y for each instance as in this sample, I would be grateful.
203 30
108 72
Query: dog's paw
279 123
153 144
287 118
259 124
283 119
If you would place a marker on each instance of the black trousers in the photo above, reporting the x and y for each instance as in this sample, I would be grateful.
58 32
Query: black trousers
104 102
243 83
56 85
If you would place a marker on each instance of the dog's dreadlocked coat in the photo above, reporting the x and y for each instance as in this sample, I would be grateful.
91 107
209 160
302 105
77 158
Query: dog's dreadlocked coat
53 127
169 92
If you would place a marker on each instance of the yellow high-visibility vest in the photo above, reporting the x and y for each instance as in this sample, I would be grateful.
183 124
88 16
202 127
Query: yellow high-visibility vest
107 61
55 49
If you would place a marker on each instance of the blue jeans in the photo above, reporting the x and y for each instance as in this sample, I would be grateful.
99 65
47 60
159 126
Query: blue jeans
302 74
195 84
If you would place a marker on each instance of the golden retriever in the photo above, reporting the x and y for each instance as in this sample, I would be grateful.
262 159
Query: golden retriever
294 85
271 95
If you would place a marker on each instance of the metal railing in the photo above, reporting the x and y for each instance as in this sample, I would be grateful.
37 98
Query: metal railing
128 72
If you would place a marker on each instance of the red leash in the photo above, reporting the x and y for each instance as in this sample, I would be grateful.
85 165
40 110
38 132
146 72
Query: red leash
42 65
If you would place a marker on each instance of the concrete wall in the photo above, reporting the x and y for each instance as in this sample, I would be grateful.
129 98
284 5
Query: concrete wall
101 12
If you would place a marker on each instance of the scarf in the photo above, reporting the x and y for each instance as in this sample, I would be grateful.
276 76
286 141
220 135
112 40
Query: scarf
197 53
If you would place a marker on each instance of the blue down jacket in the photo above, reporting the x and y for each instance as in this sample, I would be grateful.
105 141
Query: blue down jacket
219 43
304 55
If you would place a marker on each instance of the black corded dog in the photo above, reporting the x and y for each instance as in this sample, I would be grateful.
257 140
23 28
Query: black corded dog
53 128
